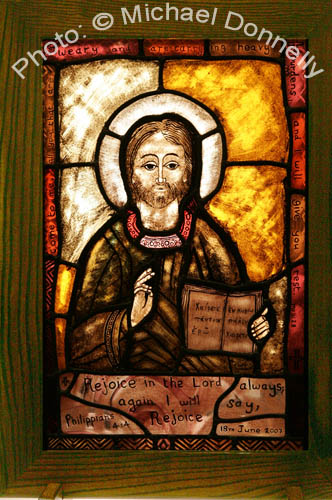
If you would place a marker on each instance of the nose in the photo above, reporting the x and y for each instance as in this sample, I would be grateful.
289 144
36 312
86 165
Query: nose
160 178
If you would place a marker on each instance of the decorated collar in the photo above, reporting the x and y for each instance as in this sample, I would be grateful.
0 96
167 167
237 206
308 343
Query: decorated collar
175 240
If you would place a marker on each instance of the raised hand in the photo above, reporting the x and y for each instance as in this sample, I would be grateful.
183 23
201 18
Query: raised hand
143 297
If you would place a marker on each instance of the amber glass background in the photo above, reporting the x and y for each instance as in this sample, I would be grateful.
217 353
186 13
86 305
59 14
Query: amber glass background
25 468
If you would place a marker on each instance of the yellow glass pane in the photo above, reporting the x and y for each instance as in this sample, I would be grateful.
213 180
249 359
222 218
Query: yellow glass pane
247 98
64 288
250 206
60 332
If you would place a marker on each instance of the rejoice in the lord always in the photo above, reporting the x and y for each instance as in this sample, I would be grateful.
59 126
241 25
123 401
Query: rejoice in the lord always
127 301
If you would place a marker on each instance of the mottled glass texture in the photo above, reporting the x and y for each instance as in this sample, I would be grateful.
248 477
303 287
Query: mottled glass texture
89 93
175 212
251 205
246 96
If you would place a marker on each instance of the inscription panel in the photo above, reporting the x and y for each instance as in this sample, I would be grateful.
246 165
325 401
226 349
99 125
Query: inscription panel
176 405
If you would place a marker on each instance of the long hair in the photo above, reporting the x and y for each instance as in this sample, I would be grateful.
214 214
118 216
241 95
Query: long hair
174 131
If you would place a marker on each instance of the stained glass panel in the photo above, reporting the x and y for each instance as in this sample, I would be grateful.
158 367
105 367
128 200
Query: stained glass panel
175 195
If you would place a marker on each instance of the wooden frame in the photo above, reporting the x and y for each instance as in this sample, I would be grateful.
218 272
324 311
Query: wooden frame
25 468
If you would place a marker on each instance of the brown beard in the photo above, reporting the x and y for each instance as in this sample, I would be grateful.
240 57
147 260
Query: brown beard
155 198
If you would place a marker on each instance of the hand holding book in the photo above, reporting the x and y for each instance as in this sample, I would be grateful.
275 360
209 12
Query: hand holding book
262 325
234 322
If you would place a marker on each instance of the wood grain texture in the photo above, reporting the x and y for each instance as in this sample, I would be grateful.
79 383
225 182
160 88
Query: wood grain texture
320 297
25 468
53 491
295 18
294 493
171 475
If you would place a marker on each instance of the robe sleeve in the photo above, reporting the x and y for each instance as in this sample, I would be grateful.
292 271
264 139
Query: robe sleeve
97 337
99 342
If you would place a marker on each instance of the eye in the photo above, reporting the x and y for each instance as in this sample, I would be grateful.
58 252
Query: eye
172 165
150 166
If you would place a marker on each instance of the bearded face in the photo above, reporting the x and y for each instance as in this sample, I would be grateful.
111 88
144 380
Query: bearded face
160 172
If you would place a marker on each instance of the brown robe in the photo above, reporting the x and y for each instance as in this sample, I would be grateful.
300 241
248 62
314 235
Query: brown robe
101 338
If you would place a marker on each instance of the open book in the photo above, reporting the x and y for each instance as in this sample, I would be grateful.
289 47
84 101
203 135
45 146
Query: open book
217 320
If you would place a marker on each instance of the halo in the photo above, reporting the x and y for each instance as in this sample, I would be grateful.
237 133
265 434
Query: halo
154 106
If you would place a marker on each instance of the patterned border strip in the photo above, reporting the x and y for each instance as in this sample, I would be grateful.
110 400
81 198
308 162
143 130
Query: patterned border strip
193 444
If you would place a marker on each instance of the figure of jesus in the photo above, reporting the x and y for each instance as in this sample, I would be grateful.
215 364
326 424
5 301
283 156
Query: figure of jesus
127 300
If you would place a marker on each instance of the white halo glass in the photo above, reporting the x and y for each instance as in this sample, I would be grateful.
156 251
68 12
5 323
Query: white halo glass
155 105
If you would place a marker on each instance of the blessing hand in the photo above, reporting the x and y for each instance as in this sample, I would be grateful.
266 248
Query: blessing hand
143 298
